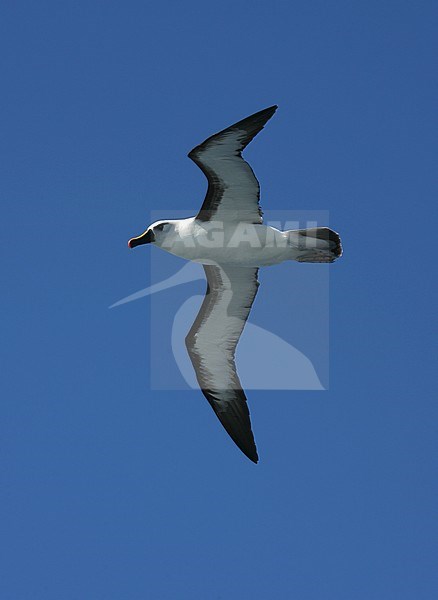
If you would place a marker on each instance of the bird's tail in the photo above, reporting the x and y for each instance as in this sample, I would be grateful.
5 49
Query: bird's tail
319 244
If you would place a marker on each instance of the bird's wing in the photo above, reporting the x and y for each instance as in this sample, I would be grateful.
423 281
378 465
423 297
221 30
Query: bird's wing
211 344
233 191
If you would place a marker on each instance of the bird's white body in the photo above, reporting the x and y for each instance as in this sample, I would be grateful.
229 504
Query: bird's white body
228 242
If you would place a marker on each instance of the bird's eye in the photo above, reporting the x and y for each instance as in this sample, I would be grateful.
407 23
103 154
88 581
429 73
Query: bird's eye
159 227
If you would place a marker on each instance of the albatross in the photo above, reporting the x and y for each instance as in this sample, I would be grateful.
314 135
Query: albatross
229 239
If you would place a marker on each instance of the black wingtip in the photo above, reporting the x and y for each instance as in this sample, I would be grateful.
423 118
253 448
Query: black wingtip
252 125
246 443
250 452
254 459
256 121
271 109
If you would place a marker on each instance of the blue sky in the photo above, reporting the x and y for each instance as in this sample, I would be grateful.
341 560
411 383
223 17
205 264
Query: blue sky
111 490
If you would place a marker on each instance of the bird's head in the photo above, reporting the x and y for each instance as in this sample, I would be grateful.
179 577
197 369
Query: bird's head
154 234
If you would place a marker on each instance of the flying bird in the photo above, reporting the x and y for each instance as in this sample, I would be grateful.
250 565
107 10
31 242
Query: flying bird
229 239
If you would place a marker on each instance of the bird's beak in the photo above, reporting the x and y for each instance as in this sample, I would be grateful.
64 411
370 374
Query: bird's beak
145 238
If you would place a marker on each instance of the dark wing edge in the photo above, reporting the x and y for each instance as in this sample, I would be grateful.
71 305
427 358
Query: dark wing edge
230 405
249 128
